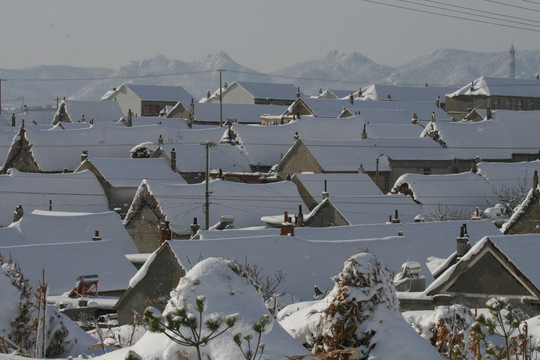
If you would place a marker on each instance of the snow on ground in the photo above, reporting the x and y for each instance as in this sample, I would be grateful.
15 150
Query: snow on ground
226 293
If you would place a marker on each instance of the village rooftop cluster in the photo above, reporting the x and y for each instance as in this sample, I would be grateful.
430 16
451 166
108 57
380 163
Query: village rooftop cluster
134 199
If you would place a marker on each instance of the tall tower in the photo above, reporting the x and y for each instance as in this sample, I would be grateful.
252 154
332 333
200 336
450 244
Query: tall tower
512 63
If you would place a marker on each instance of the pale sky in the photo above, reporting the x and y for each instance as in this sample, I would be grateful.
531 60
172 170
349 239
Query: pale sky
263 35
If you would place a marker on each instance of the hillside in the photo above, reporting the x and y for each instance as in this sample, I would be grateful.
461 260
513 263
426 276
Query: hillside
39 86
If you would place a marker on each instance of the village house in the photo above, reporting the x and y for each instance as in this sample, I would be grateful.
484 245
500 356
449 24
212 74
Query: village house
162 208
89 112
356 197
526 216
506 136
463 195
120 178
48 227
79 192
332 94
60 150
146 100
377 92
494 93
383 159
495 266
244 92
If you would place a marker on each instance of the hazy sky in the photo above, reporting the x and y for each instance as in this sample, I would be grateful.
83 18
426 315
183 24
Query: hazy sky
263 35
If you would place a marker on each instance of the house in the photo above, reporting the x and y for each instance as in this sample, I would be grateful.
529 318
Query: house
189 159
384 159
120 178
63 263
526 216
333 94
146 100
159 202
495 94
507 136
320 252
88 112
50 227
208 113
60 150
378 92
151 285
493 267
244 92
463 193
80 192
356 197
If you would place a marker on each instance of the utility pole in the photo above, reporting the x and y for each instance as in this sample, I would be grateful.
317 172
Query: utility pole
206 191
220 98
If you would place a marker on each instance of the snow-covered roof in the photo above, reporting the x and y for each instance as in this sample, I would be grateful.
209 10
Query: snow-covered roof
521 250
509 174
353 153
450 193
98 111
151 92
507 133
247 203
490 86
80 192
172 123
236 113
63 263
192 157
61 149
49 227
405 93
40 118
311 247
261 90
130 172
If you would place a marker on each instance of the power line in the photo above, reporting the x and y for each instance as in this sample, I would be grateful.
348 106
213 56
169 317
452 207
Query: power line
450 16
512 6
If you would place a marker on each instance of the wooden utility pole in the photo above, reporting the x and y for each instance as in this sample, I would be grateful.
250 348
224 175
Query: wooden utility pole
206 191
220 99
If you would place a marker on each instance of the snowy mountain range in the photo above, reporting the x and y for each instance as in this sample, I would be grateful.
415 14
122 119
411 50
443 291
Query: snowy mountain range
42 85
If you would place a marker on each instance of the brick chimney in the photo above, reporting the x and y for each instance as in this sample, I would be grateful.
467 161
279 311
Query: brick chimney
351 98
396 219
364 133
462 242
298 93
361 169
96 236
130 118
488 113
359 93
165 232
12 120
414 119
84 155
287 227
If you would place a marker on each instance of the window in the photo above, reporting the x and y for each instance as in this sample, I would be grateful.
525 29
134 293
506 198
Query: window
147 109
427 171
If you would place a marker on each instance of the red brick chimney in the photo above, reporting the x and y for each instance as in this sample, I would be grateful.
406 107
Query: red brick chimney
287 227
165 232
84 155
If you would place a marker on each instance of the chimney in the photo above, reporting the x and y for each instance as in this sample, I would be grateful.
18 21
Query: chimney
535 180
488 113
18 213
438 103
462 243
298 93
433 117
414 119
396 218
96 236
84 155
160 140
364 133
296 136
351 98
287 227
360 93
173 159
361 169
320 91
325 194
165 232
130 118
194 227
208 95
300 217
12 120
476 215
225 86
389 97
